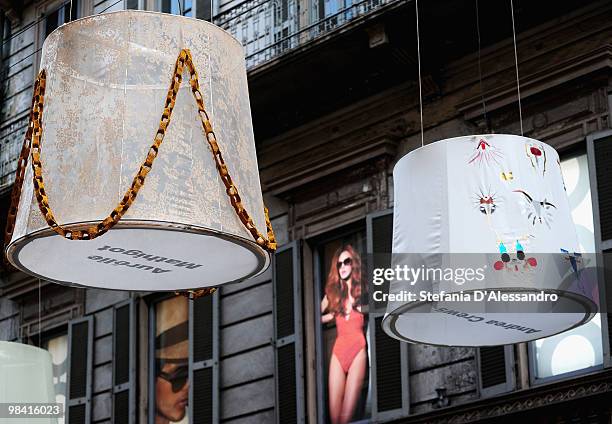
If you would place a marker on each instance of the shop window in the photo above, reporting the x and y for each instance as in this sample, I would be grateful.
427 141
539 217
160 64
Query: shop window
599 153
171 360
360 373
343 348
57 345
184 348
580 349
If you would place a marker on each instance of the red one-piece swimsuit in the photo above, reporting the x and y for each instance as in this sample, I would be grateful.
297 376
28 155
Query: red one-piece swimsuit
349 338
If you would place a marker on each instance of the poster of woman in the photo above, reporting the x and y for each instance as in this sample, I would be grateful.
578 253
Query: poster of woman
343 310
172 361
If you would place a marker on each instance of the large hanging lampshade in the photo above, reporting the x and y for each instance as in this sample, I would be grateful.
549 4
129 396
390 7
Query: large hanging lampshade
26 377
112 87
495 204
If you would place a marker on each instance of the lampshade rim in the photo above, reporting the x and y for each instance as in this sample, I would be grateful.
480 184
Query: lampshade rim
263 257
34 349
445 140
589 312
26 346
141 12
386 327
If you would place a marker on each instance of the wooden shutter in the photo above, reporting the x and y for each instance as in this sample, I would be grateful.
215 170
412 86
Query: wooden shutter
204 359
599 152
496 370
289 374
80 354
124 363
389 356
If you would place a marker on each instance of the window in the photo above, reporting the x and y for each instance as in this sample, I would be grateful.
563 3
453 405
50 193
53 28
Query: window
58 348
599 153
57 17
133 4
581 348
170 388
576 176
343 332
343 348
177 7
577 349
184 352
331 12
6 35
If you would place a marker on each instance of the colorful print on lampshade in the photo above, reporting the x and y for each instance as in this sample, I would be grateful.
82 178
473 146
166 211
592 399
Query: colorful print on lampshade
494 202
102 108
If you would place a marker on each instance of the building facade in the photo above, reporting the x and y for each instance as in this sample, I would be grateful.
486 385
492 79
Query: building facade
335 102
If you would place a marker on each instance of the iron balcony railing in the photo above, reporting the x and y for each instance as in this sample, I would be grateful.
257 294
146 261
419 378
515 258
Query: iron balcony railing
270 28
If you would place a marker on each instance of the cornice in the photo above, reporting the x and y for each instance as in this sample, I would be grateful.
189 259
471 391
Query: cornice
598 383
546 78
305 168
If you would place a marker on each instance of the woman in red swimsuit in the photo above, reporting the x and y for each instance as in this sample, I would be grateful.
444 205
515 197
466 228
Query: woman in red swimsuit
342 302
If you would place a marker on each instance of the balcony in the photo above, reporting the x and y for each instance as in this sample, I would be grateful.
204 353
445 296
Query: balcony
309 59
270 29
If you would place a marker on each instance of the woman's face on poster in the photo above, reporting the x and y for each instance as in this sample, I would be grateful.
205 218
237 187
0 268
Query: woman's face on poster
172 392
345 265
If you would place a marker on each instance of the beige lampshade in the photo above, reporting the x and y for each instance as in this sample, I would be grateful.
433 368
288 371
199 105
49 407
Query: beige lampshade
107 80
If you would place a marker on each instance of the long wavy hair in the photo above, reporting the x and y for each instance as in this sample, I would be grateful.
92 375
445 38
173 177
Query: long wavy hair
336 289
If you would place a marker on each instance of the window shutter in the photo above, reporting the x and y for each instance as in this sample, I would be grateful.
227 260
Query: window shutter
287 279
124 363
496 366
599 152
80 354
606 318
389 360
204 359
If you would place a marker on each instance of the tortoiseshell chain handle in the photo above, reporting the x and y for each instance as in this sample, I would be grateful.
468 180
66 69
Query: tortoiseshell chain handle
31 145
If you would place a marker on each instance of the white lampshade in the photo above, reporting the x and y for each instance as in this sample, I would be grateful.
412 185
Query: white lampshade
26 376
107 80
496 202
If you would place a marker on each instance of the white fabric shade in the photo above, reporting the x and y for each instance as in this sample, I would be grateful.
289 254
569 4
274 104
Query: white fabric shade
466 201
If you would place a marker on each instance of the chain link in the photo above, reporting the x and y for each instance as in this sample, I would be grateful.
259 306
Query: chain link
20 174
32 145
194 294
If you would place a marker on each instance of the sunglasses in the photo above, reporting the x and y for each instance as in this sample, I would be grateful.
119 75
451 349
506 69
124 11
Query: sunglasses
520 255
346 262
178 378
